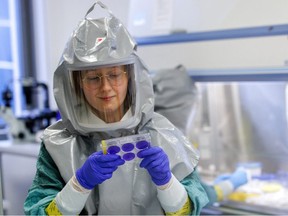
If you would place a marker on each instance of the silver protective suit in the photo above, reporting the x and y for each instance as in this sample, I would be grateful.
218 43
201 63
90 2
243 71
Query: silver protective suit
176 96
70 141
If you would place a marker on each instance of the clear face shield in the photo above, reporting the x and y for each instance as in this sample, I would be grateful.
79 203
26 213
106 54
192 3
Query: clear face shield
103 95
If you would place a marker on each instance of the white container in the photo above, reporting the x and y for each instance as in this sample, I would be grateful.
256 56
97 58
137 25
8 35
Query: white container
253 169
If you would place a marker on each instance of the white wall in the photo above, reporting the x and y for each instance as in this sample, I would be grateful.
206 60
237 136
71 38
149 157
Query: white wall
205 15
56 19
210 15
262 52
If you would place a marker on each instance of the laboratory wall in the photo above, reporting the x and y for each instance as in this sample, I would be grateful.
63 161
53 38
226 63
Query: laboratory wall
55 21
173 16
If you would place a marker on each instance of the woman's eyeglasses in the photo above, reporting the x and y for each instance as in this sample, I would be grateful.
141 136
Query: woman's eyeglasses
94 81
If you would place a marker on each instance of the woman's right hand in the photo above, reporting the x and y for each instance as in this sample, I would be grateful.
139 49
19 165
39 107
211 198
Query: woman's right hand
98 168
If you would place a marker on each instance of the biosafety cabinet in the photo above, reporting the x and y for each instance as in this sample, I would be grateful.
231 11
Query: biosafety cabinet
241 114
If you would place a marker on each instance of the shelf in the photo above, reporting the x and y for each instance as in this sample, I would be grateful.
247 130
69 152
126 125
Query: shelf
227 74
241 74
262 31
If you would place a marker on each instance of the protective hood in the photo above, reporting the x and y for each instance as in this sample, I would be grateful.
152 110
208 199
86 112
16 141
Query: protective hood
98 43
101 53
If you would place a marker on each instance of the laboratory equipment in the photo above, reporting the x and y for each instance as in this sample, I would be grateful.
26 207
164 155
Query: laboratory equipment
37 116
254 169
5 135
33 117
127 147
251 134
17 127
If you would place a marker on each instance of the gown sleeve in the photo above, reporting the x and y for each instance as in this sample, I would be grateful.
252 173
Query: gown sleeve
46 184
195 192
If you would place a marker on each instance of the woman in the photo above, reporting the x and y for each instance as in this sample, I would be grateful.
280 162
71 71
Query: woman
103 91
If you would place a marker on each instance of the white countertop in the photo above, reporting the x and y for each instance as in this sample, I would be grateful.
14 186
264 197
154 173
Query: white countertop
22 148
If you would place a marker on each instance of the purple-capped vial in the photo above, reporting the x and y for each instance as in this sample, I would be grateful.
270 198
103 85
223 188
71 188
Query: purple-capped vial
128 156
113 149
127 147
142 144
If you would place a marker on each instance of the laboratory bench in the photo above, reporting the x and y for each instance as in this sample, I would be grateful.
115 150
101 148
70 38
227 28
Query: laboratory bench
17 170
257 197
240 208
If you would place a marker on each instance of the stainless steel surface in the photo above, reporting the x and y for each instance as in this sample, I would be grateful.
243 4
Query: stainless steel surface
252 209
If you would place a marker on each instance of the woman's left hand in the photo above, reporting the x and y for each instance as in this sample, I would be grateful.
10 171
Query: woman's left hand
156 161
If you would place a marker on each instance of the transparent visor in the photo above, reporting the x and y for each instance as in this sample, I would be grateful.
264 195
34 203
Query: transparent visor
103 95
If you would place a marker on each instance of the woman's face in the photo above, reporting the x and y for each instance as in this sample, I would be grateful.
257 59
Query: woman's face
105 90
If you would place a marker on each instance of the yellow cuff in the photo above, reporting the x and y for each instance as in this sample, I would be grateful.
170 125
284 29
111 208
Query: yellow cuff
185 210
52 209
219 193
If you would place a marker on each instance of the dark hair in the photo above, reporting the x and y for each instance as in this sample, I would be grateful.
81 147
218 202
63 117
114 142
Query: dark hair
76 83
129 96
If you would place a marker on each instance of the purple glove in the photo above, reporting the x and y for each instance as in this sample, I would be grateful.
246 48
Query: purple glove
156 162
97 168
